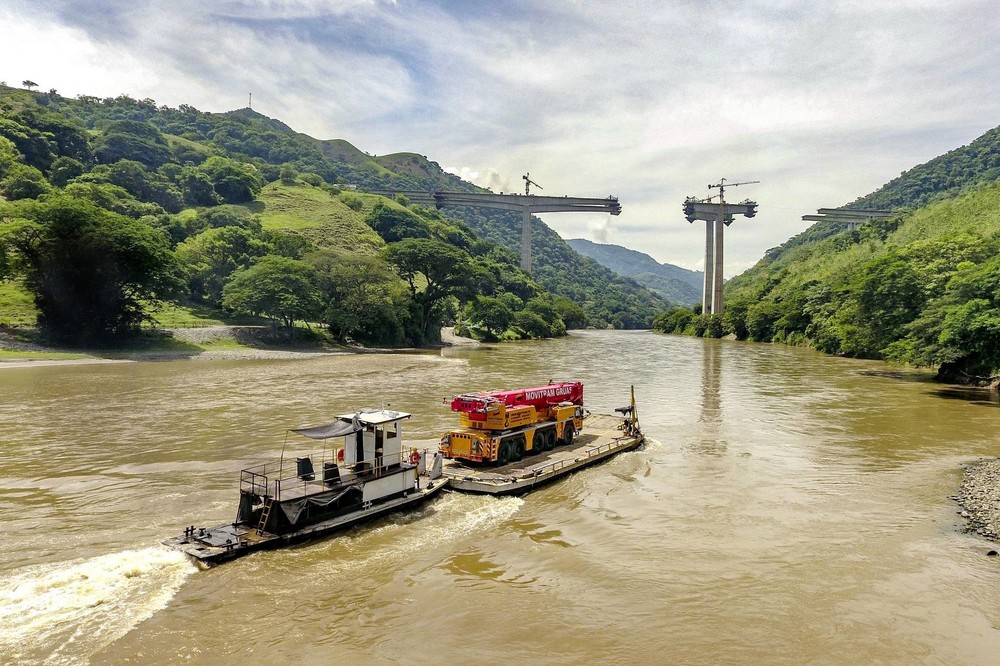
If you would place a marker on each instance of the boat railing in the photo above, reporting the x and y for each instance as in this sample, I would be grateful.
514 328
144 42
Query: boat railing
321 474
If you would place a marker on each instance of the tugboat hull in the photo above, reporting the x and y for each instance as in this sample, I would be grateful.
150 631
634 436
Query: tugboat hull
210 546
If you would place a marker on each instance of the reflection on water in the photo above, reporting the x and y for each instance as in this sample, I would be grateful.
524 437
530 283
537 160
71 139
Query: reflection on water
711 401
817 530
979 396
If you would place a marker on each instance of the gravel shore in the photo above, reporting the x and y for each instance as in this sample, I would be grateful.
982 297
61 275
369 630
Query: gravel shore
979 497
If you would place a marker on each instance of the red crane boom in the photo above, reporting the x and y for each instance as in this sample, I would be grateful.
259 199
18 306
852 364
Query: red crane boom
538 397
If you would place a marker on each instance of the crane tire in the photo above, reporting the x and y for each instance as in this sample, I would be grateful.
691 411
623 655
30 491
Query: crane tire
503 453
518 445
568 433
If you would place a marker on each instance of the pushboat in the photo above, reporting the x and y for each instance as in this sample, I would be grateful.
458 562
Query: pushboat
365 472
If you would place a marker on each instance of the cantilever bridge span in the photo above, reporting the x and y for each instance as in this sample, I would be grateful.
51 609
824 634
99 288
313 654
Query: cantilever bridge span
527 204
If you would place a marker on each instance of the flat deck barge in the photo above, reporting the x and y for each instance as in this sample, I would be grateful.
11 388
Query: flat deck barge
603 436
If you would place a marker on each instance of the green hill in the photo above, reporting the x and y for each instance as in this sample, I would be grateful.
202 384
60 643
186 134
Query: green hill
673 283
918 288
227 191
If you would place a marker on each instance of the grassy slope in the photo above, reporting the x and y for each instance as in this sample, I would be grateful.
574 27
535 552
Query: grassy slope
16 305
321 217
977 212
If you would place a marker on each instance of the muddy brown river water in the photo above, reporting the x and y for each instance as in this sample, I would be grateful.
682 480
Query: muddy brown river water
790 508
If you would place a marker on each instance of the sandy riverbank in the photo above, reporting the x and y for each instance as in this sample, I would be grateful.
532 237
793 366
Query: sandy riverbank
194 336
979 497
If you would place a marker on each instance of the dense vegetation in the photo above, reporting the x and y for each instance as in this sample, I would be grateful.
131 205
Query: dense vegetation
922 287
111 208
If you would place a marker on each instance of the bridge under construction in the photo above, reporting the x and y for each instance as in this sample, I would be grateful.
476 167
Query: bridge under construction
526 204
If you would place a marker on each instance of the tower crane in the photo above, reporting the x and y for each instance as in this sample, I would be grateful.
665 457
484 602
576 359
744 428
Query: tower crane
722 185
528 183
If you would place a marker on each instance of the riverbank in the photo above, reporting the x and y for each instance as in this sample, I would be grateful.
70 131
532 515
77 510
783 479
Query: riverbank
210 343
979 498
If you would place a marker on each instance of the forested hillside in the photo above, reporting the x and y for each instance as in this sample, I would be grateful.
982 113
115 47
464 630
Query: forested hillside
948 175
675 284
919 288
114 211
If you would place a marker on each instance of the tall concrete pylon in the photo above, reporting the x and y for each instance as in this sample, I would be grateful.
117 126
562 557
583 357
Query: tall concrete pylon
717 216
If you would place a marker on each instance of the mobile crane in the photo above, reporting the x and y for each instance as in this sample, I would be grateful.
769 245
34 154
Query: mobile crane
502 426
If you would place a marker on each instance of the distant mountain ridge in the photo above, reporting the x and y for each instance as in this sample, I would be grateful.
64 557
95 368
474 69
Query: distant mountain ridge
675 284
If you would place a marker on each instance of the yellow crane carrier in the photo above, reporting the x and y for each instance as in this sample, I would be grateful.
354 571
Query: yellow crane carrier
502 426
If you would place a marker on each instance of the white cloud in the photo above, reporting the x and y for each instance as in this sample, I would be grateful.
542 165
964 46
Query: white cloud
646 100
490 178
66 58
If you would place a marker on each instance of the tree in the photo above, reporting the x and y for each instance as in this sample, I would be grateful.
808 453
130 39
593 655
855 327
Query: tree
24 182
435 271
394 223
64 169
544 307
532 325
278 288
211 257
492 314
229 216
111 197
888 294
570 312
287 174
93 273
362 297
959 332
27 83
972 330
37 149
132 140
8 155
7 232
236 182
70 137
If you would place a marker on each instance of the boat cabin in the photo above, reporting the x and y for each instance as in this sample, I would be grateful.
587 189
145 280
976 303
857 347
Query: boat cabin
363 462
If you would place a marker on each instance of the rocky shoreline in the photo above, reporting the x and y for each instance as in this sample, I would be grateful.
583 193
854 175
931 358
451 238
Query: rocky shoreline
979 498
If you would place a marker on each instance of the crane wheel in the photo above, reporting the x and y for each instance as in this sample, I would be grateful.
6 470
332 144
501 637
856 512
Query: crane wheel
518 452
550 440
503 453
568 434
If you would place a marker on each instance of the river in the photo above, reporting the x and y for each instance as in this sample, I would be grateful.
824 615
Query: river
789 508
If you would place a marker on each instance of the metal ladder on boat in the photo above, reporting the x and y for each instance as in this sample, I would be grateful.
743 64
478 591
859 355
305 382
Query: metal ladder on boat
264 515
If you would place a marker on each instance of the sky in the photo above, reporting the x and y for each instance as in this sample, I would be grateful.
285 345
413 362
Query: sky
647 100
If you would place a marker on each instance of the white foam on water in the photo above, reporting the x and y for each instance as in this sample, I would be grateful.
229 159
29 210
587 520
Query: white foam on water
445 521
453 518
485 513
64 612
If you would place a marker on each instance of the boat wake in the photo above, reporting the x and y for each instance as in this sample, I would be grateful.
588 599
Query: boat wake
450 520
65 612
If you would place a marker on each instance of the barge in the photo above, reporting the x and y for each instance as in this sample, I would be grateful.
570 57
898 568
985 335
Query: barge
602 437
364 472
512 441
